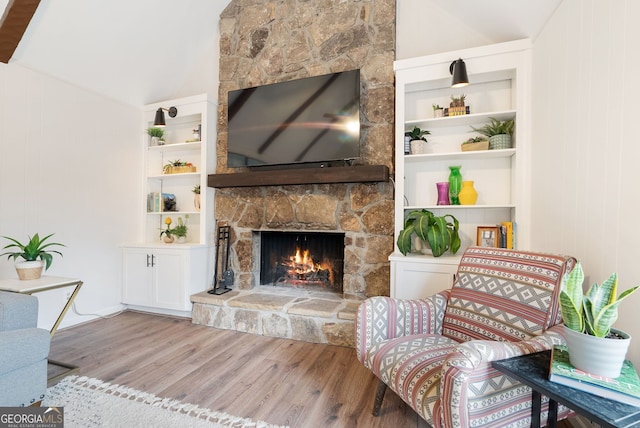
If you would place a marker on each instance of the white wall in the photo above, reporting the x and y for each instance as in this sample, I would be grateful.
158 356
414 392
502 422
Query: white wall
585 152
585 143
70 165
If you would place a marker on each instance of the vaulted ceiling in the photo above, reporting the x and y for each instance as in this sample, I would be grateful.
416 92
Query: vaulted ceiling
143 51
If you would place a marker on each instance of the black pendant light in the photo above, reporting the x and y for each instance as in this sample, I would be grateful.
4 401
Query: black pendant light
159 120
458 70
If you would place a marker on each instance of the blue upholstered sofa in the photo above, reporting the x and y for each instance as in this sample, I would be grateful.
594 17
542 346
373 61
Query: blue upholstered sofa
23 351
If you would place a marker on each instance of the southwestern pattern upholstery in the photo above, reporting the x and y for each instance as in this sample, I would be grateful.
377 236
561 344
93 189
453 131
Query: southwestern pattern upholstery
436 353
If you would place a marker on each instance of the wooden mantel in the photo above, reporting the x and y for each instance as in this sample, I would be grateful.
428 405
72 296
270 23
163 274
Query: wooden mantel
282 177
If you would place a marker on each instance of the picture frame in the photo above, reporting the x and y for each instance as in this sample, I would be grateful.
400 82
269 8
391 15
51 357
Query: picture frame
488 236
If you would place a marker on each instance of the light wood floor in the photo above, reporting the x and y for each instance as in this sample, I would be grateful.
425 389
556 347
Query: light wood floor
280 381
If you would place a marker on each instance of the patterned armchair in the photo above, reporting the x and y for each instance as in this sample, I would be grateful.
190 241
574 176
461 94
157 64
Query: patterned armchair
436 353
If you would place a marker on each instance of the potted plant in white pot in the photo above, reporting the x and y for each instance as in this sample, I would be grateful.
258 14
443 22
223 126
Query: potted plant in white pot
36 255
418 139
594 346
156 135
440 233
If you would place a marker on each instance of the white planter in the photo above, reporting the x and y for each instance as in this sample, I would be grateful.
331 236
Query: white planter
417 147
597 355
29 270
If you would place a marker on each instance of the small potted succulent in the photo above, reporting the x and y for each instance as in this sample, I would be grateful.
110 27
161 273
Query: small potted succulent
178 167
499 133
594 345
440 232
36 254
474 144
457 106
418 139
438 110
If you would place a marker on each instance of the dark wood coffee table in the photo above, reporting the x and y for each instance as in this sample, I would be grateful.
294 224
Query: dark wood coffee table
533 371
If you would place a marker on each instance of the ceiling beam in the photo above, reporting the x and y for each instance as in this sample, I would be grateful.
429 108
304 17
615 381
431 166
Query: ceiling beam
13 24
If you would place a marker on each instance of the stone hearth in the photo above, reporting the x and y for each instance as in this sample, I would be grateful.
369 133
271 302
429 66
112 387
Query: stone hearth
318 317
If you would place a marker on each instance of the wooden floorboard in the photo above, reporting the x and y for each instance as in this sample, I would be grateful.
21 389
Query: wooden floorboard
280 381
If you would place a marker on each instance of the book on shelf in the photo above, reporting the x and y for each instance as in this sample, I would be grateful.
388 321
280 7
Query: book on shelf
507 235
154 202
625 388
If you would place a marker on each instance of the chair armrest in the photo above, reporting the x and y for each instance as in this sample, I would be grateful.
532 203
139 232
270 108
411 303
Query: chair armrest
19 348
381 318
470 365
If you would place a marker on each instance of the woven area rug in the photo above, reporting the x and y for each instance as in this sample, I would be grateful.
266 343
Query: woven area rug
89 403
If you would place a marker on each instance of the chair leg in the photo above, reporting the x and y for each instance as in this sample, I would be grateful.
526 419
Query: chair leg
377 403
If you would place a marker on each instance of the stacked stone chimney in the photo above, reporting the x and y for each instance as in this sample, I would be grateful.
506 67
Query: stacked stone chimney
263 42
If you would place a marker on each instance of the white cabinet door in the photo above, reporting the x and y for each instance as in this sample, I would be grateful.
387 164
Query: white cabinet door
169 281
417 278
138 276
155 277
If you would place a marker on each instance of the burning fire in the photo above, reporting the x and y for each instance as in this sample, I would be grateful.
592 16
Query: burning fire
302 264
301 267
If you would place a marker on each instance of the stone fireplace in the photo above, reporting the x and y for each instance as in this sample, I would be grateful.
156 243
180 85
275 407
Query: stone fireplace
266 42
301 260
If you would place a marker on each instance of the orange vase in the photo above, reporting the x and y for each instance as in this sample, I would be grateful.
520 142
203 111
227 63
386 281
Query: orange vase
468 194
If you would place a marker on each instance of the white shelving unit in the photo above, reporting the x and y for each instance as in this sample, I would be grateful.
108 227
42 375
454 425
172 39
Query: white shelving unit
161 277
499 88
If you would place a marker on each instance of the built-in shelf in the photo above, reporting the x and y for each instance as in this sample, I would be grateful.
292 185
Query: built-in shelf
282 177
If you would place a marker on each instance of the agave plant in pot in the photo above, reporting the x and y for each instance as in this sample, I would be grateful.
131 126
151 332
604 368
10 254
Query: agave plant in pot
499 133
440 232
36 254
594 345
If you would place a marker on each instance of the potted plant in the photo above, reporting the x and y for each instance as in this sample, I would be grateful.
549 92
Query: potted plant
499 133
37 253
418 139
156 135
440 232
179 232
196 197
594 345
456 106
474 144
438 110
178 167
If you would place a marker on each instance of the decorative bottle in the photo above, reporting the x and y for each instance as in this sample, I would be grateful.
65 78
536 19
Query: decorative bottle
443 193
455 184
468 195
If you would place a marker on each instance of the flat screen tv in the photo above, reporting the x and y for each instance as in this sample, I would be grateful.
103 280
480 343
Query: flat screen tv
314 120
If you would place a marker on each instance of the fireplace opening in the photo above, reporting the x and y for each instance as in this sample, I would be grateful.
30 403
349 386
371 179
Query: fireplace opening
305 260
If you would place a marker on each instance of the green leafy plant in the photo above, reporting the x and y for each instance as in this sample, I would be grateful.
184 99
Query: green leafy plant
441 232
436 106
155 132
595 312
196 189
35 249
496 127
179 230
417 134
